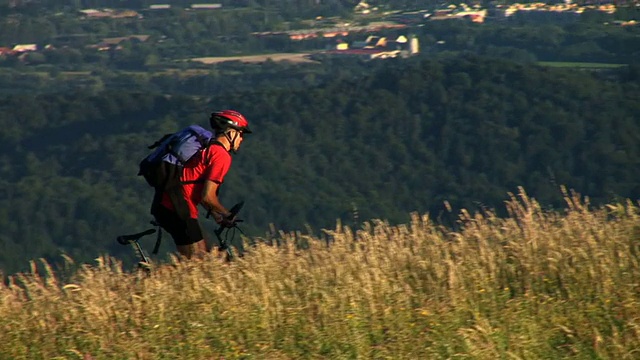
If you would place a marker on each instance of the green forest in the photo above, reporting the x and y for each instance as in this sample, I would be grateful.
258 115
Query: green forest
339 140
482 110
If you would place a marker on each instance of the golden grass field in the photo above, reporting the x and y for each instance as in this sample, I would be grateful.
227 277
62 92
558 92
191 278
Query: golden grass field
535 285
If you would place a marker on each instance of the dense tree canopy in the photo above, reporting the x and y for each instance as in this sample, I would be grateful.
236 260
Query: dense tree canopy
385 138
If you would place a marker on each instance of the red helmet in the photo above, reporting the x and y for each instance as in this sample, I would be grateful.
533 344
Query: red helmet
229 119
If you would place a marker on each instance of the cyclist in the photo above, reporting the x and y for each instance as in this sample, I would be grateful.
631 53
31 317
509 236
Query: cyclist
201 179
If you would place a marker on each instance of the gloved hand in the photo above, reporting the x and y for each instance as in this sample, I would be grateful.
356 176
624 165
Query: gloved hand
228 221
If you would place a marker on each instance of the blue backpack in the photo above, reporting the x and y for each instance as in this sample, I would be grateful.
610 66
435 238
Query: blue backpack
163 167
175 149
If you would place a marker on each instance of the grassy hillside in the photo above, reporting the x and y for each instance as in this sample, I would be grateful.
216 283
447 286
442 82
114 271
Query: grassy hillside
535 285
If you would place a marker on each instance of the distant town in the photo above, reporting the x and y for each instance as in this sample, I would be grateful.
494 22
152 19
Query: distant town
475 13
370 47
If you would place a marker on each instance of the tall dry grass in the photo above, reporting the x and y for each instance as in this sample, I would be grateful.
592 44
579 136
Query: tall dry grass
535 285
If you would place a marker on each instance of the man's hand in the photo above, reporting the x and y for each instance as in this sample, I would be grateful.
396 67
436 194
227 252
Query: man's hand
228 221
225 221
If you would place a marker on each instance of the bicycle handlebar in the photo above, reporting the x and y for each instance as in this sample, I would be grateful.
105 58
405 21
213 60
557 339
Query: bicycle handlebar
235 209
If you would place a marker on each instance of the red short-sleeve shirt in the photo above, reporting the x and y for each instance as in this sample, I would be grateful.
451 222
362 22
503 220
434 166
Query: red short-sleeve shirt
212 164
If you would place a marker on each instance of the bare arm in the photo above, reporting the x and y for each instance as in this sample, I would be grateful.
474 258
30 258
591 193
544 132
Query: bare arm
210 199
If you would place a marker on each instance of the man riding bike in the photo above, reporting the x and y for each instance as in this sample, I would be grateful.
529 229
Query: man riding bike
201 179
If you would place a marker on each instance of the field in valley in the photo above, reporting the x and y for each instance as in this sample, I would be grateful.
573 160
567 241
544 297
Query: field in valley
291 57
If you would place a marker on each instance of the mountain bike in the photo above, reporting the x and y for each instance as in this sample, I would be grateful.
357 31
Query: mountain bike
144 262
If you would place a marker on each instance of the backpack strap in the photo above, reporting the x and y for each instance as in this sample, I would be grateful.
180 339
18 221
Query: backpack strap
179 202
173 188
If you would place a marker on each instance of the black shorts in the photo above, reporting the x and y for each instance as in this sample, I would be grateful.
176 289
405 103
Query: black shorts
183 232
